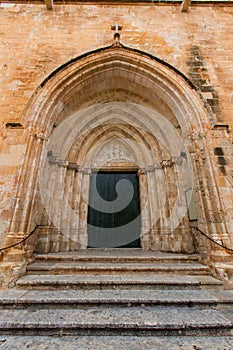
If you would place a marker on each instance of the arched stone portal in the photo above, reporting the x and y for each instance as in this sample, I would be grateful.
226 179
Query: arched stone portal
116 108
115 136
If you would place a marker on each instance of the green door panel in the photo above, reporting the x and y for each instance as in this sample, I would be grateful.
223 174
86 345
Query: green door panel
114 221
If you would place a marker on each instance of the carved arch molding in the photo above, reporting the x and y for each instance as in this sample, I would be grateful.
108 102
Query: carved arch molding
114 109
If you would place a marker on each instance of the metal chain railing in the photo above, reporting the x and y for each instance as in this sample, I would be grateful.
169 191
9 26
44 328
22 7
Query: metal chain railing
194 227
22 241
212 240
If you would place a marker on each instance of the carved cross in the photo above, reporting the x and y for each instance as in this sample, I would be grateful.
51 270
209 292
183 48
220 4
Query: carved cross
116 27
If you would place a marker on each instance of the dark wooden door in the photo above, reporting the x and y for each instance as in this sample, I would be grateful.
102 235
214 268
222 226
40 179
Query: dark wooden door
114 217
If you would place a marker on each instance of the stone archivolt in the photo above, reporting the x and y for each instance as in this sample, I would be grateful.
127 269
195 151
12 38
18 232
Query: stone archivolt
116 109
120 145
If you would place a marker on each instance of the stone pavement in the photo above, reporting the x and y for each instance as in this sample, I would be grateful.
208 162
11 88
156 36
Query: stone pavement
116 343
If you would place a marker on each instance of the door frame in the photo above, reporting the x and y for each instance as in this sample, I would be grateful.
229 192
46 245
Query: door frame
143 173
117 169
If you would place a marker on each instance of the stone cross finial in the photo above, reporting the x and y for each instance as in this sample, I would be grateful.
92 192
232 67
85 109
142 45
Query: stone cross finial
116 38
116 27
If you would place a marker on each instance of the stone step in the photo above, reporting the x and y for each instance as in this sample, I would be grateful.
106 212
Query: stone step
117 255
117 281
116 343
225 296
49 267
114 321
210 282
75 298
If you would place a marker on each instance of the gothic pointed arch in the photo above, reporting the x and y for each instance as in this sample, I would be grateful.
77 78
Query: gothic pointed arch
146 109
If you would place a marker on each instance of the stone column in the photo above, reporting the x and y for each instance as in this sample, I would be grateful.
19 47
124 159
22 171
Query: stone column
160 199
74 218
15 259
182 232
210 211
26 194
153 201
171 194
66 208
184 181
83 208
145 209
207 186
46 190
52 206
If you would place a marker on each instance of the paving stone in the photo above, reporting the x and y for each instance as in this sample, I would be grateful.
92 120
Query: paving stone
116 343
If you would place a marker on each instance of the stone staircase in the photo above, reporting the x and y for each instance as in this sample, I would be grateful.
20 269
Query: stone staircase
116 299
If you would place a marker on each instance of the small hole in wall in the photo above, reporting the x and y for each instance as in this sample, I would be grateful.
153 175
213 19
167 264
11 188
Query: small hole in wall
13 125
218 151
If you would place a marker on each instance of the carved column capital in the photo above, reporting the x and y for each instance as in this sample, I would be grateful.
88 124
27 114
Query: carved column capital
150 168
157 166
86 171
194 136
167 163
39 134
142 171
177 160
63 163
53 160
202 133
72 166
197 134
